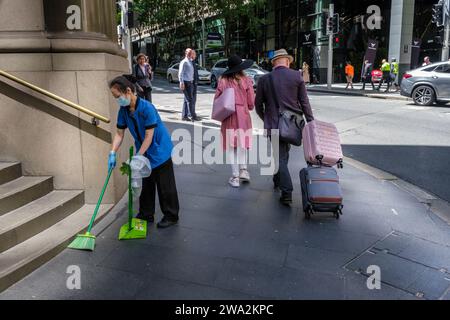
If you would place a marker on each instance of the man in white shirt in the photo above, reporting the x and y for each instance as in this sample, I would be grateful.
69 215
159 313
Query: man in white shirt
186 77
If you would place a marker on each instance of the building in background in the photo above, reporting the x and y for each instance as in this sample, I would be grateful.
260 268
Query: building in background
300 27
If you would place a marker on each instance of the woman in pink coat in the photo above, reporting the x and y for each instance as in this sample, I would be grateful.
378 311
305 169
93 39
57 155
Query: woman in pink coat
237 129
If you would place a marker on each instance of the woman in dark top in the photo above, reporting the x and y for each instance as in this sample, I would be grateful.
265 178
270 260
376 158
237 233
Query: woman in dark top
144 75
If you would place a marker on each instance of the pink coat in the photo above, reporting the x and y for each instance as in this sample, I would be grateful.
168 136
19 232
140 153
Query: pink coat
237 129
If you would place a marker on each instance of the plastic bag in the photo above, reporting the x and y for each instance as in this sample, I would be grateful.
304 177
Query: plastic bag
140 168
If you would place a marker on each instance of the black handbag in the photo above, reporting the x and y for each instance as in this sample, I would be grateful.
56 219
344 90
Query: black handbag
290 124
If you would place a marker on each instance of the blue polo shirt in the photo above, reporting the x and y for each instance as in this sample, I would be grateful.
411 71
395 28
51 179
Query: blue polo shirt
146 117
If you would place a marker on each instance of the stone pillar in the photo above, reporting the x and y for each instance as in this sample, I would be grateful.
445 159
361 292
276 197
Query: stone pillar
68 47
401 32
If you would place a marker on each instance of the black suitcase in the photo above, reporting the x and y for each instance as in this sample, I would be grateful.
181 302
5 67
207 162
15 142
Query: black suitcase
321 191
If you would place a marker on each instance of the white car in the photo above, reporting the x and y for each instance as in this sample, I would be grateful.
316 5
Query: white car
203 74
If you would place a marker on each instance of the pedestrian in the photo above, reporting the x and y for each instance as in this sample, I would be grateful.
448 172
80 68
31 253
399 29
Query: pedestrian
349 74
426 61
305 73
196 78
394 73
386 69
186 76
237 130
144 75
153 141
367 75
289 88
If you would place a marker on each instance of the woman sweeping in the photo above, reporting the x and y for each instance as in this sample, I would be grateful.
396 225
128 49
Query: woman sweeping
153 141
237 129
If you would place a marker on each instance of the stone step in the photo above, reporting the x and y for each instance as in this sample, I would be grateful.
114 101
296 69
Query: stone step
20 260
23 190
10 171
33 218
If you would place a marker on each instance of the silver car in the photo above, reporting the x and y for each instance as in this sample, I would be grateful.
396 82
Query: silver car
203 74
220 66
427 85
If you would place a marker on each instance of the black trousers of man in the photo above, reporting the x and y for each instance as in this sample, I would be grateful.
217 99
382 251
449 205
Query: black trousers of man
189 98
282 179
366 80
386 78
163 179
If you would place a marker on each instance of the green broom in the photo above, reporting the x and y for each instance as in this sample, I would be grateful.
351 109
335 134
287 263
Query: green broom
87 241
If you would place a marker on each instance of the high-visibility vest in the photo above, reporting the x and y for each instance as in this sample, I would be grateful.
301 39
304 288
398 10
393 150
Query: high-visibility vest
394 67
386 67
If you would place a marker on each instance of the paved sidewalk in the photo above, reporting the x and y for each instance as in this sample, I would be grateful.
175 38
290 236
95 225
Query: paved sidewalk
242 244
339 88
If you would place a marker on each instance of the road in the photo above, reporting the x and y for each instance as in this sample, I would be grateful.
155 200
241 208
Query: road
408 141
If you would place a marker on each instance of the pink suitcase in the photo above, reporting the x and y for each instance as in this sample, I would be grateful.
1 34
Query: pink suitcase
321 144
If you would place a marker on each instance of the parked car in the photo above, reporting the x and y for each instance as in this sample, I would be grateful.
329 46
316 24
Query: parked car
203 74
427 85
220 66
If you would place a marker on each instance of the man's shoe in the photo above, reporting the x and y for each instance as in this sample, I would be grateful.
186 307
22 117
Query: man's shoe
196 119
149 219
286 200
186 119
165 223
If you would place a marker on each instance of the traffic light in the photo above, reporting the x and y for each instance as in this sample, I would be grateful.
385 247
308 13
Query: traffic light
333 26
438 14
130 14
336 24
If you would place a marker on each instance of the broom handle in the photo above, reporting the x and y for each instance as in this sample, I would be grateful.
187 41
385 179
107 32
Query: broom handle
91 224
130 194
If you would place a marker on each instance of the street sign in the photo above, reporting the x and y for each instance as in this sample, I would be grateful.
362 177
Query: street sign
307 39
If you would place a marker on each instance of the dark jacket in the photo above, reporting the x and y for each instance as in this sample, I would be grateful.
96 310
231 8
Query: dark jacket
368 70
196 77
144 80
292 95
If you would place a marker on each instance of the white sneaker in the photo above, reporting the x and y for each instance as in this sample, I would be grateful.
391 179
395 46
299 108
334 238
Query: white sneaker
244 175
234 182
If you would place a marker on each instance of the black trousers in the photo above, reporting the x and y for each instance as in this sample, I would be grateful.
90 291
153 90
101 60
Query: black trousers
190 97
148 93
282 178
163 179
366 80
386 78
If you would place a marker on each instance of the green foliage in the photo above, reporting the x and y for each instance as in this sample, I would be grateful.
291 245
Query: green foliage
125 169
170 15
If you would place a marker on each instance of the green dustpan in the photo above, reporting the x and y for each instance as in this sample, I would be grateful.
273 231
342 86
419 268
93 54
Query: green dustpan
135 228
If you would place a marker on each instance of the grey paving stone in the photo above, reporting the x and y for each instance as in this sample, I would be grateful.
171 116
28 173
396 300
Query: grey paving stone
356 289
177 264
279 283
395 271
257 250
432 284
96 283
428 253
158 288
331 262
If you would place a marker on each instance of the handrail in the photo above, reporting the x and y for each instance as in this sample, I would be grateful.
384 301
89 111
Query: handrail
46 93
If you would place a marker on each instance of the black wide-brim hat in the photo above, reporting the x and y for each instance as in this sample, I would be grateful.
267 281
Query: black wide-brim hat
236 64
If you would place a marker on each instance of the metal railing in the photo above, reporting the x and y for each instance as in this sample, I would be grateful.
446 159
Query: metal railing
95 116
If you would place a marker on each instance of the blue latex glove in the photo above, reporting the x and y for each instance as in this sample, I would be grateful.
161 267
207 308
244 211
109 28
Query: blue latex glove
112 160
